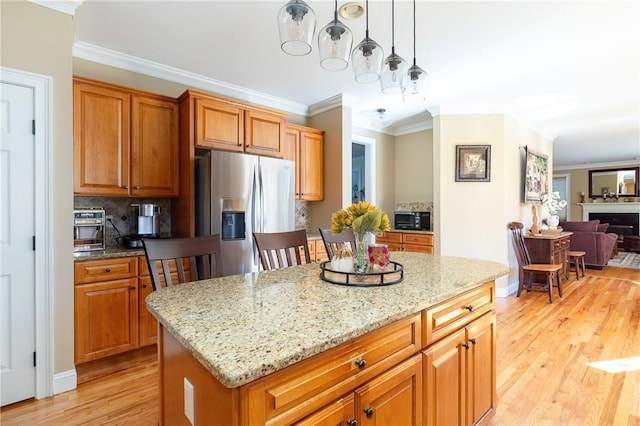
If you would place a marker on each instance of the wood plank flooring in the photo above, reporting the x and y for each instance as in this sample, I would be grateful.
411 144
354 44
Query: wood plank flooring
543 376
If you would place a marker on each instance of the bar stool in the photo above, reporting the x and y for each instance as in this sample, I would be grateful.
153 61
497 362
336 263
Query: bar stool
577 258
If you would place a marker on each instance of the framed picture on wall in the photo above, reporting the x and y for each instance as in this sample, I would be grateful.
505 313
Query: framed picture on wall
536 177
473 163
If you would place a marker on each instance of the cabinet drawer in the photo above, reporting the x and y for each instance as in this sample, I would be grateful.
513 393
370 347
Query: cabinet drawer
144 270
420 239
418 248
454 314
390 237
93 271
296 391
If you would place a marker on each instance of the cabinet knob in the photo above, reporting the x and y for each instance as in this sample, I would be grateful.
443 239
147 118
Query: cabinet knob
108 270
126 187
352 422
144 286
469 308
133 287
136 187
368 412
361 363
473 340
466 345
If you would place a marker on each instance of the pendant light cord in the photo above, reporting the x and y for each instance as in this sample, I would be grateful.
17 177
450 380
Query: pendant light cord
366 32
393 27
335 13
414 33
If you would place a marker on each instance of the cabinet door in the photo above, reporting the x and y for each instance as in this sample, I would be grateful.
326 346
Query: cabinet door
219 125
311 166
338 413
444 381
290 151
154 147
106 318
264 133
393 398
100 140
481 368
148 325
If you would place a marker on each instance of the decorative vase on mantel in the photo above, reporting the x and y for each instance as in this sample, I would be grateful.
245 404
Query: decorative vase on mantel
361 260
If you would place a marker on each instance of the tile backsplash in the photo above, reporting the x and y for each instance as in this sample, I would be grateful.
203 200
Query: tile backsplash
119 208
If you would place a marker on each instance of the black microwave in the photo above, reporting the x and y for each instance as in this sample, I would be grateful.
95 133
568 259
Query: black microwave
418 221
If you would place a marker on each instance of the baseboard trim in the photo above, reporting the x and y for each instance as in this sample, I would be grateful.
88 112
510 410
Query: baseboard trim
65 381
507 291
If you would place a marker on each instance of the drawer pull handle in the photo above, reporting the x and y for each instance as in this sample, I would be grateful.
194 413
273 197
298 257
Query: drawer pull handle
108 270
469 308
352 422
361 363
368 412
473 341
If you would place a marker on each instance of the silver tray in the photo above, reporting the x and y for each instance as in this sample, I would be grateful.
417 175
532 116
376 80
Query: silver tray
393 274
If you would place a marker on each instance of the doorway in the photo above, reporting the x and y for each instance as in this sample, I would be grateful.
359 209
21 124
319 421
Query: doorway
561 185
363 169
25 335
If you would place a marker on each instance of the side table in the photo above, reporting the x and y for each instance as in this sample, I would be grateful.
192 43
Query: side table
550 248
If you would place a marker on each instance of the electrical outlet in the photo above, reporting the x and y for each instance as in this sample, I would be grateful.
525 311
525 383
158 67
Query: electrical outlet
109 217
188 401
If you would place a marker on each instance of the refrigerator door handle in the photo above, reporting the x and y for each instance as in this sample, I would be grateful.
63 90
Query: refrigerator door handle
261 197
254 213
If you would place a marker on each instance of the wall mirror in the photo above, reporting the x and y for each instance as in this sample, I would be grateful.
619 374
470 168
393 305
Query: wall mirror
622 182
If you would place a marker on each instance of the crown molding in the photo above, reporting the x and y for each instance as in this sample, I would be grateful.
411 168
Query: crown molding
413 128
131 63
65 6
611 164
327 104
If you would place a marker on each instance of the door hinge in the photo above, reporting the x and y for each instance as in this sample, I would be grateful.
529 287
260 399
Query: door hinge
34 359
34 242
33 127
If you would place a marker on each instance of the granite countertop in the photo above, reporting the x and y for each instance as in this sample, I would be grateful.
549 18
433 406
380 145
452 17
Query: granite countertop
110 253
244 327
412 231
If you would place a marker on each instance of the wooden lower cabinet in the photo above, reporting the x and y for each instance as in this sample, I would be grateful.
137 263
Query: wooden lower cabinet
459 374
394 398
407 241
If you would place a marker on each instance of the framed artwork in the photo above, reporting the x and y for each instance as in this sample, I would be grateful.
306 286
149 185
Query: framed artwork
536 177
473 163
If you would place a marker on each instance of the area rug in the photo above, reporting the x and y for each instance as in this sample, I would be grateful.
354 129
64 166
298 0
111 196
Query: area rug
626 259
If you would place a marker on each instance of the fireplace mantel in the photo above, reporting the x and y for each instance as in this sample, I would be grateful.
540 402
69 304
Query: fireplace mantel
608 208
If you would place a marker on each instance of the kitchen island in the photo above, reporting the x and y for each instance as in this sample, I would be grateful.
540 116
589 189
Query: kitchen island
284 346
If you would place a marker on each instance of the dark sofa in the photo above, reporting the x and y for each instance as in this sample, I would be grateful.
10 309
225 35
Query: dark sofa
592 238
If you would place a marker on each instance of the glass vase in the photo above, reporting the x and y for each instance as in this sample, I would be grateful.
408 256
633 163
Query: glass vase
361 262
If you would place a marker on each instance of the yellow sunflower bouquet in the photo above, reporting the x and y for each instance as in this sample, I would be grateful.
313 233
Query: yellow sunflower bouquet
361 217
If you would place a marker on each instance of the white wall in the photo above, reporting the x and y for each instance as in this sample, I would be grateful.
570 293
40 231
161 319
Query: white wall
414 167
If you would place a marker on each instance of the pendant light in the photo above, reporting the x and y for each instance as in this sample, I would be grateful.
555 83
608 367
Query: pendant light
334 44
394 68
416 76
296 23
367 56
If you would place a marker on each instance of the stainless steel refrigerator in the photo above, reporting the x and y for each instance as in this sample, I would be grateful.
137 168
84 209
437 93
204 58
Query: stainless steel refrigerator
238 194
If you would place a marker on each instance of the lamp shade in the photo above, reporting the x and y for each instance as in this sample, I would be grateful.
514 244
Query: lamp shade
296 23
334 45
393 74
367 60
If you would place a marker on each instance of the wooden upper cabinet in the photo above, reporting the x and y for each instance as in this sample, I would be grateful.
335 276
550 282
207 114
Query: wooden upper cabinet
125 142
305 146
227 125
100 140
154 147
263 133
219 125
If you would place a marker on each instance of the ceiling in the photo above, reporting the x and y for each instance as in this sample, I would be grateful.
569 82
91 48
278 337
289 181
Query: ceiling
569 69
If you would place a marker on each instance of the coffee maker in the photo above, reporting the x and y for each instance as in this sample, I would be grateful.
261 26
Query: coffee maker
144 222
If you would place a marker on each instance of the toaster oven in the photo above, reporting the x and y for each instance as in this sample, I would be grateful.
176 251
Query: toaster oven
88 230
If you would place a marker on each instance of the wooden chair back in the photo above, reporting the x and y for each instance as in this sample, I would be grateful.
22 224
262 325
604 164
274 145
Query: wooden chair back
202 253
334 242
522 254
282 249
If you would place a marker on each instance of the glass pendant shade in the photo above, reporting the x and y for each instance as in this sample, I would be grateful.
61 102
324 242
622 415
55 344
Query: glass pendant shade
416 81
393 74
296 23
367 60
334 44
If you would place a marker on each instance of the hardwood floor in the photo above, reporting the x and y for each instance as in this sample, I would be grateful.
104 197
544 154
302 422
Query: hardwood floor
543 376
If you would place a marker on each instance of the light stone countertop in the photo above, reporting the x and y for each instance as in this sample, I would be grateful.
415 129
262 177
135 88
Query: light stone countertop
244 327
110 253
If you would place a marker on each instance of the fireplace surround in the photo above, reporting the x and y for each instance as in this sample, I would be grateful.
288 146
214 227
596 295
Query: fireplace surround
623 218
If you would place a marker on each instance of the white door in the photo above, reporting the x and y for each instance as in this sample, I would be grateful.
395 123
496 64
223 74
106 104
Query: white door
17 257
